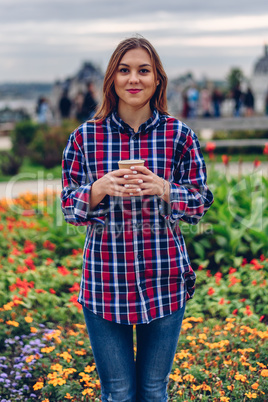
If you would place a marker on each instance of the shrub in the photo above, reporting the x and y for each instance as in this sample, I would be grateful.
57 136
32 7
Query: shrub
48 144
10 163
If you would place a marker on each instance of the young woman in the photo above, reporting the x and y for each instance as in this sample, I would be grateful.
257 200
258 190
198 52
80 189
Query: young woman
136 270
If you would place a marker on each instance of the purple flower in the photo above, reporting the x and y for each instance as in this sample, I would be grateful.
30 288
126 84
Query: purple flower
28 375
3 375
32 395
3 358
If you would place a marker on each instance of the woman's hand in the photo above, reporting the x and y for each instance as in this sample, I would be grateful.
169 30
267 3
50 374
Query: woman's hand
149 182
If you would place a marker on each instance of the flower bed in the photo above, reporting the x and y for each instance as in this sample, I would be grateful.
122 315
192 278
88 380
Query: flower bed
45 352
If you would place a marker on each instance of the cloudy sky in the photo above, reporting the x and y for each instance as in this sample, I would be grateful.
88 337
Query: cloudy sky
45 40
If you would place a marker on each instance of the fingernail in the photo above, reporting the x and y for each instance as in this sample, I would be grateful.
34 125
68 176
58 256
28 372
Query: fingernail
126 185
130 193
140 181
132 167
138 189
134 172
126 176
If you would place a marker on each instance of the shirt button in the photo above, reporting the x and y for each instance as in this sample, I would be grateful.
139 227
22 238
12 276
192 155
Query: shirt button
134 138
139 257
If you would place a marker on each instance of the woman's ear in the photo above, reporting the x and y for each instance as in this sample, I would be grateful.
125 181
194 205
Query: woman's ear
157 82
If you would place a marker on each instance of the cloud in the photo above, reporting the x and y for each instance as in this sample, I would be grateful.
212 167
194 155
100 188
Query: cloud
50 39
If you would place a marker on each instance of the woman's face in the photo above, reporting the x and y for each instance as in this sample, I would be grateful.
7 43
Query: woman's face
134 79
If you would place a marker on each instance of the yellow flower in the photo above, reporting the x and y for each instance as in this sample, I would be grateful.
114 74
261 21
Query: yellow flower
29 358
251 396
264 373
240 377
80 343
33 330
176 377
13 323
68 396
202 336
45 400
57 381
230 387
196 387
38 385
28 319
224 399
52 376
88 369
80 352
66 356
261 365
206 387
255 385
8 306
48 349
56 367
88 391
186 326
188 377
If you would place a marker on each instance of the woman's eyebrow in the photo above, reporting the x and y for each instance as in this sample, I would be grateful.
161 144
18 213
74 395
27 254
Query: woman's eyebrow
141 65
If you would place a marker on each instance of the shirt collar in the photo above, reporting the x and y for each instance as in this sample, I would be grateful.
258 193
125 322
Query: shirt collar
149 125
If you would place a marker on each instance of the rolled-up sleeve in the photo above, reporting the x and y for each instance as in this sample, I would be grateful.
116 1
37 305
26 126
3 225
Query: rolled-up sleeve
75 195
190 197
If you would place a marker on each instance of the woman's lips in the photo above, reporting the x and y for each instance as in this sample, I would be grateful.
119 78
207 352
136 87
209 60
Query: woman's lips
133 91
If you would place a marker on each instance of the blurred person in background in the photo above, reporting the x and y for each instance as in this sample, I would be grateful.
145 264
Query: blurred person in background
205 102
65 105
89 104
193 96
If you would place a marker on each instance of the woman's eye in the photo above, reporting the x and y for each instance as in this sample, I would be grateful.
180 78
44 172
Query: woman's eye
144 71
123 70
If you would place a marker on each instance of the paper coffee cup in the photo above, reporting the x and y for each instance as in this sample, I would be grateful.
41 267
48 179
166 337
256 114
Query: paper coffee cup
127 163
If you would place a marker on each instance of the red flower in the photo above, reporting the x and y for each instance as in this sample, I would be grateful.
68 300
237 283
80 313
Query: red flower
21 270
30 264
49 246
235 312
262 257
78 251
74 288
49 261
254 282
73 299
209 273
232 270
242 300
265 150
63 271
200 268
225 159
218 277
257 163
244 262
52 291
222 301
210 147
29 247
40 291
262 318
211 291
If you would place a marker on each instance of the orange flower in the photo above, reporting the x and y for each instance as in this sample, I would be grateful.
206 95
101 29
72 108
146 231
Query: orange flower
225 159
264 373
211 291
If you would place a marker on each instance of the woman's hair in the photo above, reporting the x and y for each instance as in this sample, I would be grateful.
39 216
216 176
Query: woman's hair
110 98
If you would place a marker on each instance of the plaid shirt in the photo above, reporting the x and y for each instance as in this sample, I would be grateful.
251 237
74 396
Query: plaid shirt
135 264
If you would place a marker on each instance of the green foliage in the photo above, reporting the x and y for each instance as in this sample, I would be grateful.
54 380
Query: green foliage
47 146
22 135
236 225
234 77
10 163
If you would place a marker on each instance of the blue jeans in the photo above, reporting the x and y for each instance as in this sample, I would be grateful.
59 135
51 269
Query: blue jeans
122 378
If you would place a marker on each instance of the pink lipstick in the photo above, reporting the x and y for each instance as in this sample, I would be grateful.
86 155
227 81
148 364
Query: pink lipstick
133 91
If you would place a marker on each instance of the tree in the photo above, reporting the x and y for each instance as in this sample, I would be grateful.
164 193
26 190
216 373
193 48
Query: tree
235 77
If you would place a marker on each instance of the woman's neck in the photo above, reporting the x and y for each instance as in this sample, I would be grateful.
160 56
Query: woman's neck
134 117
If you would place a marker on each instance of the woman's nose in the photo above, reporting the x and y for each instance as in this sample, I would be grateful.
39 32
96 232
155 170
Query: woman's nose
133 78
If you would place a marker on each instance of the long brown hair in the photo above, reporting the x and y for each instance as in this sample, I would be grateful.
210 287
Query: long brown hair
110 98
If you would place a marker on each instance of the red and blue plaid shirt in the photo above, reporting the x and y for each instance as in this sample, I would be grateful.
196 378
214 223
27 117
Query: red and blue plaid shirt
135 264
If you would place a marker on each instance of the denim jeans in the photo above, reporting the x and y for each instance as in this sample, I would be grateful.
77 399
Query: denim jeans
124 378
